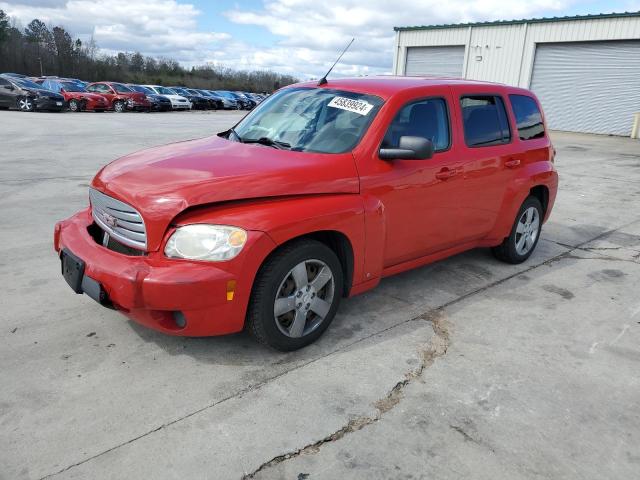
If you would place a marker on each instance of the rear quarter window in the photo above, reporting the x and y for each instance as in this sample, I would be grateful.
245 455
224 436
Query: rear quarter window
528 117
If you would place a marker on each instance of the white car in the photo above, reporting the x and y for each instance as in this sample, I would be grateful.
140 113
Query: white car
178 102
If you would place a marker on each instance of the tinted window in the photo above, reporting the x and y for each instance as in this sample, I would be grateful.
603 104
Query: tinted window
528 117
485 121
4 82
426 118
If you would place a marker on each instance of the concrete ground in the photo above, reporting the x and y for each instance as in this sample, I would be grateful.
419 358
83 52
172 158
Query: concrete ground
467 368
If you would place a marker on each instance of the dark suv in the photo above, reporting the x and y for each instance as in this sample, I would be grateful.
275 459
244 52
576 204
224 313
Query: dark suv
25 95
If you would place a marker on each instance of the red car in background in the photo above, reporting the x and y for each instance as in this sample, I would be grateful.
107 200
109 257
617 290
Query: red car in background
75 95
120 97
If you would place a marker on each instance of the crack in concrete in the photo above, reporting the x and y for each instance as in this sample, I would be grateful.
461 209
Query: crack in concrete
266 381
436 348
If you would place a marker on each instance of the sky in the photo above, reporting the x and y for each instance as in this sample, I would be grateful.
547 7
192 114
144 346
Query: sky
298 37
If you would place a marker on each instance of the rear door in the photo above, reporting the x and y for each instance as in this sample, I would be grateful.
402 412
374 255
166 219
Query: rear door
6 93
487 155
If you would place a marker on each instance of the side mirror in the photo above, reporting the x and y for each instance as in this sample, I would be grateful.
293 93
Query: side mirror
62 90
409 148
9 87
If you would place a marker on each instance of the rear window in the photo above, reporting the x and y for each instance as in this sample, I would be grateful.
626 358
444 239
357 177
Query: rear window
528 117
485 121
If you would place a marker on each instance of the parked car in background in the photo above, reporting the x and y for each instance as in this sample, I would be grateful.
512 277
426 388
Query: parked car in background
316 195
247 102
76 96
178 102
231 100
27 96
198 101
120 97
216 99
159 103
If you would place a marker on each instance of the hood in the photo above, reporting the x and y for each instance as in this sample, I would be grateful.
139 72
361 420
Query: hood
164 181
175 97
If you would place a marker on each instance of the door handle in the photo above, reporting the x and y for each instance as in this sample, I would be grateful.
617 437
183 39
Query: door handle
514 162
446 173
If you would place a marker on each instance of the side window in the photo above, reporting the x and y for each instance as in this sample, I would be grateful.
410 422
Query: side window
528 117
4 83
485 121
92 88
425 118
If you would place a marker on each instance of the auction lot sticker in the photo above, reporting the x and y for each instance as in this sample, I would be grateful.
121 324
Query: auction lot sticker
356 106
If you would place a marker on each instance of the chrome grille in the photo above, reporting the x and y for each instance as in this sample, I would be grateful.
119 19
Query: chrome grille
118 219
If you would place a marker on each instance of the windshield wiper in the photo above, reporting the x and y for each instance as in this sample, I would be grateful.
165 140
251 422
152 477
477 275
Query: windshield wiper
268 142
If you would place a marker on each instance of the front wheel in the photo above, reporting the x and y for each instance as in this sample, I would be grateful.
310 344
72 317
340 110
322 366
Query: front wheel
75 105
525 233
118 106
25 104
295 296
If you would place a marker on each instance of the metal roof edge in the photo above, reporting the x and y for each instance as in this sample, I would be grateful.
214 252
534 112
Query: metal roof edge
594 16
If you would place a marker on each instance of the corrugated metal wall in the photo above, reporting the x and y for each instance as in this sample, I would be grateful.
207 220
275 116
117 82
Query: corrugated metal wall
506 53
591 87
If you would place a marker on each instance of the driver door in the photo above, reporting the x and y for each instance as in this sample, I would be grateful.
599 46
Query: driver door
6 93
418 196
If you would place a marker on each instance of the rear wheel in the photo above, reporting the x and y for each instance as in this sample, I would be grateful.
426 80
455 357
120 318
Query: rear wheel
525 233
25 104
295 296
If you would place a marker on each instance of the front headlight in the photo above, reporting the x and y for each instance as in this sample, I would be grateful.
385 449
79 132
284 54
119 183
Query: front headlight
214 243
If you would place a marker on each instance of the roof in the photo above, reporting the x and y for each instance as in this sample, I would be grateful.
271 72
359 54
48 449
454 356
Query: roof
385 86
515 22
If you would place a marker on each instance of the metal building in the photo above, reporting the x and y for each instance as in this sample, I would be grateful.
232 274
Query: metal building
584 69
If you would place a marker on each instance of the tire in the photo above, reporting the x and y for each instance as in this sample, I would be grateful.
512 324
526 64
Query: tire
315 265
119 106
25 104
75 105
525 233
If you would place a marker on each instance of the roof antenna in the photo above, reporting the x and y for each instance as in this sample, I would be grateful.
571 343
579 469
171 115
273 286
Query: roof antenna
323 80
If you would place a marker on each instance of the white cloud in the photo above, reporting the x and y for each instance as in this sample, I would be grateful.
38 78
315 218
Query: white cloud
153 27
309 34
313 33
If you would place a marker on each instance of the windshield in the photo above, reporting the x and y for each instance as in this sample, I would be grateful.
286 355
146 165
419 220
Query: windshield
141 89
23 82
121 88
310 120
72 87
165 91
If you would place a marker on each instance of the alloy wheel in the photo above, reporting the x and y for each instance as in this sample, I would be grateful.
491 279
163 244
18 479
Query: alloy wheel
25 104
527 230
304 298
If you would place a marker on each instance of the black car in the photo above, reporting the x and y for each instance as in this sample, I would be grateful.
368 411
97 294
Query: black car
25 95
159 103
198 101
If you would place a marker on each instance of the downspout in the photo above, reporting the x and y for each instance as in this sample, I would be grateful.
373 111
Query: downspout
467 53
522 46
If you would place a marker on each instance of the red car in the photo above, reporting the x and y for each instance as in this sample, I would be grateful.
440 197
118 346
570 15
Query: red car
317 194
75 95
121 97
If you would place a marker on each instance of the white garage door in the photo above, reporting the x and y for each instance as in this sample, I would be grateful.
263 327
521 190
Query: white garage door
439 61
591 87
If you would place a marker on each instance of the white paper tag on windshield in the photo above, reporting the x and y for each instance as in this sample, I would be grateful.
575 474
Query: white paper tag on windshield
356 106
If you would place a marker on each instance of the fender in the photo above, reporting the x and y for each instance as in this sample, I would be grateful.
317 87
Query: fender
287 218
528 177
